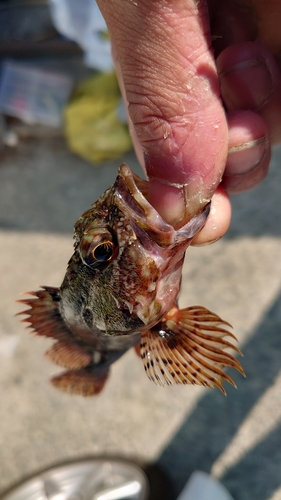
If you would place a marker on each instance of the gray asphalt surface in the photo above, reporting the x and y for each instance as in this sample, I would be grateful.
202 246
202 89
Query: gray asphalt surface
43 190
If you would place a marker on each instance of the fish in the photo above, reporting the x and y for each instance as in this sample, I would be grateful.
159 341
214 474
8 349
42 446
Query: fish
120 291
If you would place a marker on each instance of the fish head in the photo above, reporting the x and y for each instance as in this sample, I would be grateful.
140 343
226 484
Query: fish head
125 272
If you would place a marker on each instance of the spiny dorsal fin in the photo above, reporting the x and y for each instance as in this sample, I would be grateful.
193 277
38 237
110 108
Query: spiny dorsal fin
188 347
43 314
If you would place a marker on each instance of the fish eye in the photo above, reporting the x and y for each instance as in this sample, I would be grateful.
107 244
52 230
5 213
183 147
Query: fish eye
98 247
103 252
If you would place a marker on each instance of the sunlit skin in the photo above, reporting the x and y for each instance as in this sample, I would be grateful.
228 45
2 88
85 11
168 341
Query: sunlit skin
188 71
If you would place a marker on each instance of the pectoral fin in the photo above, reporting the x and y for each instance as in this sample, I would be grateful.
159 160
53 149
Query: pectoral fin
188 347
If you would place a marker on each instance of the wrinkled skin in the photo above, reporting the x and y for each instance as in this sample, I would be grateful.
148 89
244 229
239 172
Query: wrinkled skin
202 84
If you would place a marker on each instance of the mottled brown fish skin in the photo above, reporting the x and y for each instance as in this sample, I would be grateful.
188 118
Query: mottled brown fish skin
120 290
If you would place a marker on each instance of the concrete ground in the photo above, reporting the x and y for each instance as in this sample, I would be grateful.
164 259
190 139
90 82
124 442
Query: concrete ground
43 190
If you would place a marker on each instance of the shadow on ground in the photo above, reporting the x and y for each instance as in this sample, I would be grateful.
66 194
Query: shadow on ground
205 434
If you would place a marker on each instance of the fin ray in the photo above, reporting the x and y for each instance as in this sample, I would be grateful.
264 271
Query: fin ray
81 382
44 315
188 347
69 355
44 318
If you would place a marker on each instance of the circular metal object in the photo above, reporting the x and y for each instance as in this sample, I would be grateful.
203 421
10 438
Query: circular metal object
102 478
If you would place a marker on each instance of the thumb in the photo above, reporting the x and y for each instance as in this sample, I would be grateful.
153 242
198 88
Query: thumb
168 74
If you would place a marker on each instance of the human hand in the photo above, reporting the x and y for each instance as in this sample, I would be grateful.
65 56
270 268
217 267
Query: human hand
184 139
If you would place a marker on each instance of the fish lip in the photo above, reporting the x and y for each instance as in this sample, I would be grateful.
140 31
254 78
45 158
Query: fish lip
130 197
134 190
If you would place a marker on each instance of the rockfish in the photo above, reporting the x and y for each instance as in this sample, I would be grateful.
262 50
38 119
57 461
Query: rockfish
120 290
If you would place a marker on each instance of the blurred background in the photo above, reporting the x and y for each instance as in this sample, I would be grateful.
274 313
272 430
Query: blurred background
63 135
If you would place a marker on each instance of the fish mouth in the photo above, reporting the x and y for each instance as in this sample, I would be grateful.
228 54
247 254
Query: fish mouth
131 197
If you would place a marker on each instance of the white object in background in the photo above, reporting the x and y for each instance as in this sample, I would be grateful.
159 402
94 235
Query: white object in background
82 22
202 486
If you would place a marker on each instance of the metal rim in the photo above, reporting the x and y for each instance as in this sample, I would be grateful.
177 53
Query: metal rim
91 478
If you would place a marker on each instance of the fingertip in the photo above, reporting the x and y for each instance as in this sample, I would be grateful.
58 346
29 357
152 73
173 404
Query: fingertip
249 151
245 75
218 221
250 79
245 126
